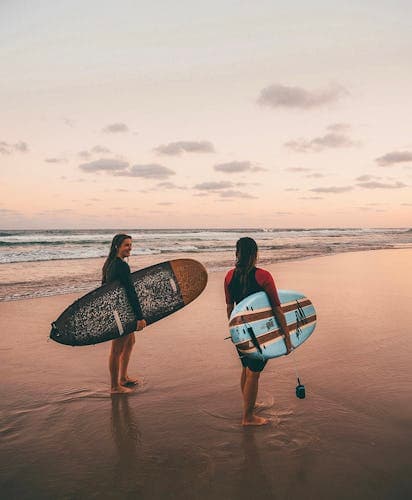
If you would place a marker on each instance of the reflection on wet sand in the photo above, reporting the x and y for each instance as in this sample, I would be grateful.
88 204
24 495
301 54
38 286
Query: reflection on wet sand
126 437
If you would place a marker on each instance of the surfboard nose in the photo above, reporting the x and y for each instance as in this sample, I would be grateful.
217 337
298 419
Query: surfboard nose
191 277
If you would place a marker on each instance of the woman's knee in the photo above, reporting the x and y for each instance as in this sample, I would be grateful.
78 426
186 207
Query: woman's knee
252 374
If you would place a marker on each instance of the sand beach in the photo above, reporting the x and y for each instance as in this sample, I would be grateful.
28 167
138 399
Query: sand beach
178 435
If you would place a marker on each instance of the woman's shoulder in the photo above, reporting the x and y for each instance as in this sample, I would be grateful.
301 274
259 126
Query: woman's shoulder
262 273
229 275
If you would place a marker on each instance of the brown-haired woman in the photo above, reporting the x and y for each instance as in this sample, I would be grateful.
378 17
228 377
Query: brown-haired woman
241 282
115 268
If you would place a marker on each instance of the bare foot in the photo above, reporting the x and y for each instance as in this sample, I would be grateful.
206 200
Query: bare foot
120 390
129 381
259 405
255 420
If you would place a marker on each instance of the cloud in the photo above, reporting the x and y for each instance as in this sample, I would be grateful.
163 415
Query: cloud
363 178
332 189
165 203
237 166
394 157
150 171
331 140
230 193
86 154
298 169
169 185
104 165
7 148
282 96
55 160
282 213
115 128
311 198
315 175
7 212
292 189
213 186
100 149
177 148
381 185
68 122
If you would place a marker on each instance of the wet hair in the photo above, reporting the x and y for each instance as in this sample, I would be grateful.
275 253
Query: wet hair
246 256
116 243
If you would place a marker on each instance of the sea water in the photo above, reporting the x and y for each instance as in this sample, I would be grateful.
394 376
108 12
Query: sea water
35 263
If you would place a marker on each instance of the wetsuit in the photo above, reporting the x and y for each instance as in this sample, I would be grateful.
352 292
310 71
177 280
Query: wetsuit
119 270
258 280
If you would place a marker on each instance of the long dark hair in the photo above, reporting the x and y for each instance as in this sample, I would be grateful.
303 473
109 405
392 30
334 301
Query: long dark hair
116 242
246 256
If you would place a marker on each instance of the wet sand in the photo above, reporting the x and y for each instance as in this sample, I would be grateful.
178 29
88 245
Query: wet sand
178 435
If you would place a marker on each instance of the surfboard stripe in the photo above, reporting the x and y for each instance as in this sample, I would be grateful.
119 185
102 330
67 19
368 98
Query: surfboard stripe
251 316
247 345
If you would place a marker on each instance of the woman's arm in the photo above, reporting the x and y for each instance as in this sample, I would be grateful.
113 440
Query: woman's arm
265 280
126 281
280 318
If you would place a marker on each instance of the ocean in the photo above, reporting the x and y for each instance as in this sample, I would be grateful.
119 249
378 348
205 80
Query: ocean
36 263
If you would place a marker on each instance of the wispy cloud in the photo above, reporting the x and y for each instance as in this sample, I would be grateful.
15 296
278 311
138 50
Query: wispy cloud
381 185
334 138
332 189
86 154
104 165
180 147
169 185
311 198
315 175
150 171
7 148
364 178
393 158
55 160
283 96
237 166
231 193
115 128
213 185
298 169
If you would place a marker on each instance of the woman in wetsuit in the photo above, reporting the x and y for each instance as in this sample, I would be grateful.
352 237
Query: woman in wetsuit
240 282
115 268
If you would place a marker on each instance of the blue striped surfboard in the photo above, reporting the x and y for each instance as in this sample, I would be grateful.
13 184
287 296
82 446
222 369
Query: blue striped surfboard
255 331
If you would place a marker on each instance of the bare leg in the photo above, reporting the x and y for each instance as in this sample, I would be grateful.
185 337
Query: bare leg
250 391
114 362
243 379
124 361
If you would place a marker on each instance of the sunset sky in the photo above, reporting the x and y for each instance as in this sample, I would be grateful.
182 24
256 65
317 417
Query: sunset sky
205 114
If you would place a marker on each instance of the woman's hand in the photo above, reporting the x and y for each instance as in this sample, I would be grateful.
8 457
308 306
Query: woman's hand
141 323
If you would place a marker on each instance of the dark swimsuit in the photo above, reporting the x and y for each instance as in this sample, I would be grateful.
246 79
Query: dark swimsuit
258 280
119 270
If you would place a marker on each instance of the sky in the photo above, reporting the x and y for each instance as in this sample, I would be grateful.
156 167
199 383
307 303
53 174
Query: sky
205 114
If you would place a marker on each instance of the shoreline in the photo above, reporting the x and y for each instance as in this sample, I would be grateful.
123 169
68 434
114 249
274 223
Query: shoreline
137 259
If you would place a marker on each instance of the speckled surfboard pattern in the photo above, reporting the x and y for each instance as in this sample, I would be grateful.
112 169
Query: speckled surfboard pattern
255 331
105 313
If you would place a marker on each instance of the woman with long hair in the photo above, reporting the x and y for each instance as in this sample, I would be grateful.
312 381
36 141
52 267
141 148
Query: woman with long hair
115 268
241 282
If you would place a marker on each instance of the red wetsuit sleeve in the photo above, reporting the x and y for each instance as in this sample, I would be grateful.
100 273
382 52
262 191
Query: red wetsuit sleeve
265 280
228 279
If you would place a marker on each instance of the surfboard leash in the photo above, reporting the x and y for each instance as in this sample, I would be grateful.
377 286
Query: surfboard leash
300 388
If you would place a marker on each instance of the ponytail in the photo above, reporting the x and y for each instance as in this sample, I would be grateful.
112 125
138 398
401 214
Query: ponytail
246 256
